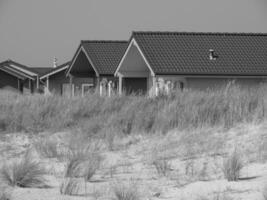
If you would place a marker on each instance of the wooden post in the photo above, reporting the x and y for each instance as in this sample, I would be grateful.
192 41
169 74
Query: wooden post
109 88
30 86
101 89
37 84
120 85
47 83
71 91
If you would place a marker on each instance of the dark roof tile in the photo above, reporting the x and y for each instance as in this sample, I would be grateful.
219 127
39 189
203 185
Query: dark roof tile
105 55
188 53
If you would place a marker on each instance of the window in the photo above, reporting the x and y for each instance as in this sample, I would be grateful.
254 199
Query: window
86 88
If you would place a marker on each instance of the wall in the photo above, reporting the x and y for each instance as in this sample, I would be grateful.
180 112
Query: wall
8 82
56 81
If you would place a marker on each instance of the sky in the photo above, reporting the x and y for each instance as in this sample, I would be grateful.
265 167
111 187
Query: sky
33 32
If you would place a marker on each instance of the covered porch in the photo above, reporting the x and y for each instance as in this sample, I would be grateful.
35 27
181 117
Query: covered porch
134 73
83 77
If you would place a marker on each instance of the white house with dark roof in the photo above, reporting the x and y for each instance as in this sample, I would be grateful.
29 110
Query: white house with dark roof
161 61
93 67
17 77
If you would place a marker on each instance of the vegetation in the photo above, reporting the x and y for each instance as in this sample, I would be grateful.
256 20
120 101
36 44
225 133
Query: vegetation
129 114
126 191
232 166
70 186
83 160
5 194
162 166
26 172
47 148
264 192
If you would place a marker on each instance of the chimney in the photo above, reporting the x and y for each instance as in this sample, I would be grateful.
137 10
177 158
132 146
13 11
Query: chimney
55 62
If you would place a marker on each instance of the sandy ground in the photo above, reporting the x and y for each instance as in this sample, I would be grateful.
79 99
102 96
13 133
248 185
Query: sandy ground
194 165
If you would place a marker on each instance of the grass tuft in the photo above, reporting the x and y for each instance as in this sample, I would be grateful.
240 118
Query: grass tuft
232 166
83 161
162 166
47 148
70 186
26 172
5 194
126 191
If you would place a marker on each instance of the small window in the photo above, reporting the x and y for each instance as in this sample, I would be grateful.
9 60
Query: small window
86 88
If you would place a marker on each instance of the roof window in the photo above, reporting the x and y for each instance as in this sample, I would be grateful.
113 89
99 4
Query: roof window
212 55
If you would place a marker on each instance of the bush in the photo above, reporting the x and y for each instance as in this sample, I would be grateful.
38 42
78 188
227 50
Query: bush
232 166
24 173
70 186
126 191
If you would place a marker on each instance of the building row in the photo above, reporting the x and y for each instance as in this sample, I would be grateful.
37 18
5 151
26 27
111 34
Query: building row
148 63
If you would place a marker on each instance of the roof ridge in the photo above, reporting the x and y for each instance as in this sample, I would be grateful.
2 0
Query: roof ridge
199 33
104 41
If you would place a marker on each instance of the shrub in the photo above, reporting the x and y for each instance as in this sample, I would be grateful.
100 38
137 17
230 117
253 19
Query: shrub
232 166
24 173
126 191
70 186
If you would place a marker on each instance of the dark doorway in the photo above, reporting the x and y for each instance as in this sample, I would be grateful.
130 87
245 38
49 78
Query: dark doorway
135 85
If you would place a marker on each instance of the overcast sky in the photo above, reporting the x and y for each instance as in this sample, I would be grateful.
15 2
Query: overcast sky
32 32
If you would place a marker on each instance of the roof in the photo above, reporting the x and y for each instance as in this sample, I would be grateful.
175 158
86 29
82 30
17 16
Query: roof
105 55
12 72
41 70
188 53
18 68
56 70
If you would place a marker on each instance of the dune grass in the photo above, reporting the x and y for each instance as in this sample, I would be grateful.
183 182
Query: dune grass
232 166
70 186
26 173
223 107
126 191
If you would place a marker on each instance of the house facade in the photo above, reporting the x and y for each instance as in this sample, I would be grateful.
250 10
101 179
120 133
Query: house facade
149 63
157 62
55 79
93 66
20 78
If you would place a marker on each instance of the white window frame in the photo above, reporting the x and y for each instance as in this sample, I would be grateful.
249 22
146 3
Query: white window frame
86 85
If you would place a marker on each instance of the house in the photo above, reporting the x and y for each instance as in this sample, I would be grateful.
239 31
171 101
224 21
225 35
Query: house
93 66
18 77
157 62
55 79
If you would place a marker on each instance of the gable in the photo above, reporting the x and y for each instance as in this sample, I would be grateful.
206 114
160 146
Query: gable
133 62
81 65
